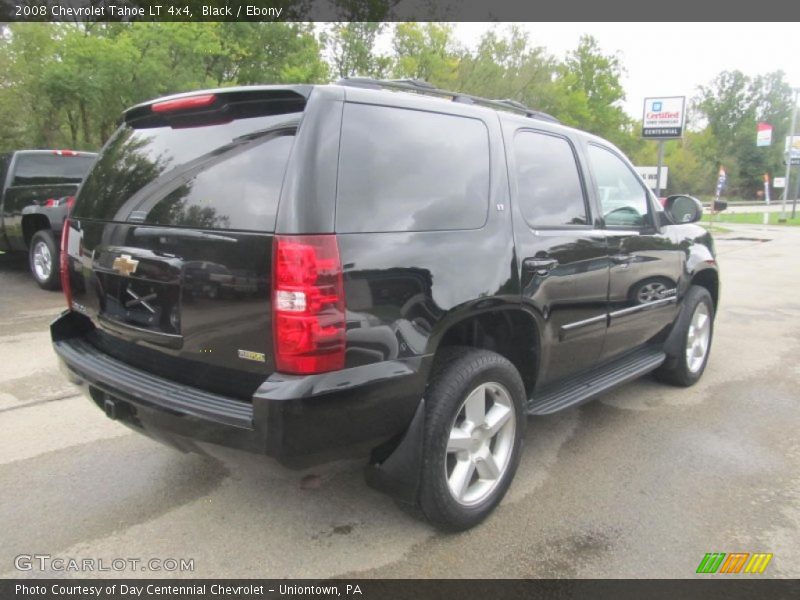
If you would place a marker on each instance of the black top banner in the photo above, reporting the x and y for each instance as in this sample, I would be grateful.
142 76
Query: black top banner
401 10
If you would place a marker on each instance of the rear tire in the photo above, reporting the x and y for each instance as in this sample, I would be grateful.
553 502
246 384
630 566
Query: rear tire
696 326
44 260
473 436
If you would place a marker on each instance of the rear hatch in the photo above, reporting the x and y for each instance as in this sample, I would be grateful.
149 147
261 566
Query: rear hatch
170 238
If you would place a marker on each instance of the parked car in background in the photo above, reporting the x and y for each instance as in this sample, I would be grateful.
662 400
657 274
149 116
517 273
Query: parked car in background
38 188
304 271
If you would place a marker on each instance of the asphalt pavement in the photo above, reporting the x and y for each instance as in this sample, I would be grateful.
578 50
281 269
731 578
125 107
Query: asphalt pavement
640 483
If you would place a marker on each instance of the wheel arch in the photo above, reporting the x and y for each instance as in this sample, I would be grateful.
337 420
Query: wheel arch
32 223
509 330
709 279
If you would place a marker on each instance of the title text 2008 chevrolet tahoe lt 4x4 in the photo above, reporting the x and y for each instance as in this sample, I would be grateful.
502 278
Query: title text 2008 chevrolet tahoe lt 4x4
297 270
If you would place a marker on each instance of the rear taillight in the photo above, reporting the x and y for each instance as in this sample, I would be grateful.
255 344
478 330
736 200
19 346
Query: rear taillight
64 263
51 202
308 308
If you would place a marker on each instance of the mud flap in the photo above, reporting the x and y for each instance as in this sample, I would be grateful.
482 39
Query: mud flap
673 346
395 466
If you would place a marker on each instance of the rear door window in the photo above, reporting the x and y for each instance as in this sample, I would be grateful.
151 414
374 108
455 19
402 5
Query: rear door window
409 170
50 169
225 176
549 186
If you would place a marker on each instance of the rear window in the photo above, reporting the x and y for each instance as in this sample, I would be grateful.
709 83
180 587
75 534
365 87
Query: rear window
407 170
225 176
46 169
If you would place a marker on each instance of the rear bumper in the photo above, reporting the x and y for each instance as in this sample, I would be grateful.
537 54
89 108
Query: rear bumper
298 420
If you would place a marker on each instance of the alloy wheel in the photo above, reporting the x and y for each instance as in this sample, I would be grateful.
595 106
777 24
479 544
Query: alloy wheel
698 338
42 261
480 444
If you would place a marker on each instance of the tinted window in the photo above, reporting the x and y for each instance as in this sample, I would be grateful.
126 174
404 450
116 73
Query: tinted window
622 196
548 183
42 169
406 170
226 176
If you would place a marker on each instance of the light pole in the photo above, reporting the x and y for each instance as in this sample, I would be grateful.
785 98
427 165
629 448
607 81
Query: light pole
789 162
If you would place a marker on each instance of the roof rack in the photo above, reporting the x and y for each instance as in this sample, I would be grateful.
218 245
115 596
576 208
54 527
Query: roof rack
423 87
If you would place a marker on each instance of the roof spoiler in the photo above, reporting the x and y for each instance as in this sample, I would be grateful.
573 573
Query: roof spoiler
219 105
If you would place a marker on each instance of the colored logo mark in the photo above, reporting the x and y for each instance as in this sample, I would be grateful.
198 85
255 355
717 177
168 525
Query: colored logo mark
656 106
735 562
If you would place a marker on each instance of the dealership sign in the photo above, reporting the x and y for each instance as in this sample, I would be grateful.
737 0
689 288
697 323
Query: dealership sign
649 174
794 141
664 117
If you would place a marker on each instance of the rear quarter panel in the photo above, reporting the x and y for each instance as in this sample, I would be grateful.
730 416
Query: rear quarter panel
405 289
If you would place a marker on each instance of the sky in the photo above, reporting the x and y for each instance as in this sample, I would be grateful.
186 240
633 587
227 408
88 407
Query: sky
670 59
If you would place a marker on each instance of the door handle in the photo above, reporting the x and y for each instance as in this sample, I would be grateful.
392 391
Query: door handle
541 266
621 259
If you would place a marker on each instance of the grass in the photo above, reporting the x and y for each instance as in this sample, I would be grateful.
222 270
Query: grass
706 199
751 218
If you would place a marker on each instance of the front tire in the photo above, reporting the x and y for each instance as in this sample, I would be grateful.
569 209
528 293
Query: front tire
696 324
473 436
43 260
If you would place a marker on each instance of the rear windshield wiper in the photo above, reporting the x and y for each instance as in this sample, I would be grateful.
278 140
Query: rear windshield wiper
285 128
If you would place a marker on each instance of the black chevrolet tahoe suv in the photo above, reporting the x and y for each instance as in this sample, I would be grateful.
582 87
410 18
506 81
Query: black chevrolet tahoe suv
304 271
38 188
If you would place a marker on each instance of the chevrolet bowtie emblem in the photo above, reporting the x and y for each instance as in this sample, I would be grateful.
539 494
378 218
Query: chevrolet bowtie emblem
125 265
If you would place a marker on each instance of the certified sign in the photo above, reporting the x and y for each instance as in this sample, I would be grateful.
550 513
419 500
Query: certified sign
663 117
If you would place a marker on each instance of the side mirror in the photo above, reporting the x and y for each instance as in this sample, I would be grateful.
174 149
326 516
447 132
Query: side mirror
683 209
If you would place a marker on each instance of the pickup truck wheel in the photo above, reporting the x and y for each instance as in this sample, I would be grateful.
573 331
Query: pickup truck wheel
43 258
696 324
473 436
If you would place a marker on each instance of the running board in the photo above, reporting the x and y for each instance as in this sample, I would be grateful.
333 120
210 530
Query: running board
553 398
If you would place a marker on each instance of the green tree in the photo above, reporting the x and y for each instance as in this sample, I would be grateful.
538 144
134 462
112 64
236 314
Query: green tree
252 53
591 93
509 66
351 49
67 84
731 106
426 52
28 115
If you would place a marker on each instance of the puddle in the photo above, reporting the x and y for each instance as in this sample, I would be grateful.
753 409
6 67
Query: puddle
743 239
